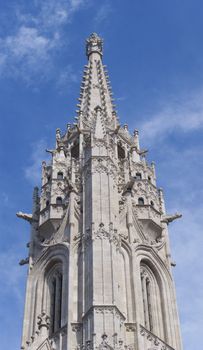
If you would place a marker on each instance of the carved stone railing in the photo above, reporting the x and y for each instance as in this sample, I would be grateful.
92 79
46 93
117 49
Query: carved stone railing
152 342
148 212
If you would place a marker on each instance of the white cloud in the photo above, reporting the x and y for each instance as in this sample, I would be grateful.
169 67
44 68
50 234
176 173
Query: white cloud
28 45
185 115
30 51
33 171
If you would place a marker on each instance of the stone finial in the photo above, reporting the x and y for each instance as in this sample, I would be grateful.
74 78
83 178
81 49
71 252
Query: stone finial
58 133
135 132
94 44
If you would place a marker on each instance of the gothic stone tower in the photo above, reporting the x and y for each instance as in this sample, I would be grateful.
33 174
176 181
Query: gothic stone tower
99 273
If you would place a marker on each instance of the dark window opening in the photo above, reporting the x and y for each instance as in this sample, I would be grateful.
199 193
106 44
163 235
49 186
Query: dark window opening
47 203
121 152
59 201
152 203
140 201
48 178
75 151
149 178
60 176
138 176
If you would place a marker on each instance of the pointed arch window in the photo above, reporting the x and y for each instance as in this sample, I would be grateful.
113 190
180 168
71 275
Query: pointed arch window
152 303
55 288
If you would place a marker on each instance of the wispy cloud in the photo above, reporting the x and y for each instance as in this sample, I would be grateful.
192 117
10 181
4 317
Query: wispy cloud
184 114
27 53
30 51
33 171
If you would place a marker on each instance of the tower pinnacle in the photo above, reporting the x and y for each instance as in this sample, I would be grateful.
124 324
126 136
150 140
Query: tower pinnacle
94 44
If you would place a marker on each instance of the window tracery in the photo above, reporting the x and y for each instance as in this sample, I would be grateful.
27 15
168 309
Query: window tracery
152 303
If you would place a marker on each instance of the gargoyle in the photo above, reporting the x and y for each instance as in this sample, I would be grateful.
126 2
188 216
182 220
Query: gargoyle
169 218
24 261
52 151
24 216
142 152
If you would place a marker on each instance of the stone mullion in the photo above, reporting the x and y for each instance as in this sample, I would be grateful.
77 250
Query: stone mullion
149 304
144 291
57 296
52 305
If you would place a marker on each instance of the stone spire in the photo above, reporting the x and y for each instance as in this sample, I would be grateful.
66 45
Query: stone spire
95 87
99 260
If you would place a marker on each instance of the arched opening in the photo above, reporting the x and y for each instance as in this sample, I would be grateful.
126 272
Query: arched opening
59 201
140 201
47 203
138 176
152 203
152 301
60 175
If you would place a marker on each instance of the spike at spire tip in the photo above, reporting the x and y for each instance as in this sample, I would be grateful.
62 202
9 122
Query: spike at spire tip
94 44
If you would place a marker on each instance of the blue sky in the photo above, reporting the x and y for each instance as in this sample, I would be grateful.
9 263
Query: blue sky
153 50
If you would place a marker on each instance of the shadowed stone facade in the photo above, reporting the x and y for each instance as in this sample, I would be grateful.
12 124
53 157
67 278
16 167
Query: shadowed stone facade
99 274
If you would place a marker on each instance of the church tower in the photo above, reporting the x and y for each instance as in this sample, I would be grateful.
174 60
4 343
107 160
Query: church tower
99 264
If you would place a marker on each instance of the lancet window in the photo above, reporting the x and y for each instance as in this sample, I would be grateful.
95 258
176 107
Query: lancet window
152 303
146 295
55 290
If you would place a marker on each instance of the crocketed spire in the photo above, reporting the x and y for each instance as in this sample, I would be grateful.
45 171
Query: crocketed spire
95 87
